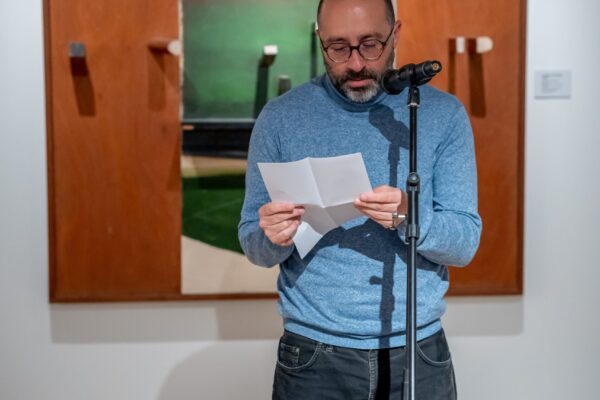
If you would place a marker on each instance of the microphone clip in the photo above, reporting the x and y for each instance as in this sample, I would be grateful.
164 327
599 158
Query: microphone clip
394 81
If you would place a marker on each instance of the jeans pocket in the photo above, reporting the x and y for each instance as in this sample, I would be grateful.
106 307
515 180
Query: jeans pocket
288 355
434 350
296 352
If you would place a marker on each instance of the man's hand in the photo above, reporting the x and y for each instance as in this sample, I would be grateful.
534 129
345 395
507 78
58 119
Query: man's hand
380 203
280 221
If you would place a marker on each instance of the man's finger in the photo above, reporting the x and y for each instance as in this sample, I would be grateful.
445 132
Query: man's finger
275 208
384 188
377 215
287 243
381 197
388 207
274 229
274 219
288 233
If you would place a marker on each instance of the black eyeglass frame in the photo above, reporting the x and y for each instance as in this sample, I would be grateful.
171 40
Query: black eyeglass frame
357 48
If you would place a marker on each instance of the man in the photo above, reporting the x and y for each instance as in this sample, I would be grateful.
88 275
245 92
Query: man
343 305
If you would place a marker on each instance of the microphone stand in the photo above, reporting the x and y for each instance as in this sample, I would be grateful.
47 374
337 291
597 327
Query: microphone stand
394 82
413 186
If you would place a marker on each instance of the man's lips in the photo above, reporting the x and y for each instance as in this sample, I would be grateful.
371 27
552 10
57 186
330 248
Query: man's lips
360 82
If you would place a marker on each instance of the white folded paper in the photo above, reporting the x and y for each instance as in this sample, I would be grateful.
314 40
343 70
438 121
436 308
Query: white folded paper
326 187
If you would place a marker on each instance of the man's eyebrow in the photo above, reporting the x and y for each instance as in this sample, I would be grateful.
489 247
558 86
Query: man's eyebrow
335 39
370 35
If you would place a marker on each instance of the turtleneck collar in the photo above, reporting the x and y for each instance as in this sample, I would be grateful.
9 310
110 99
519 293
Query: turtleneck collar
345 102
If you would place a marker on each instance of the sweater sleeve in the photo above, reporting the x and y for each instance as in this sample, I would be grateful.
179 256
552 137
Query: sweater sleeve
451 234
264 147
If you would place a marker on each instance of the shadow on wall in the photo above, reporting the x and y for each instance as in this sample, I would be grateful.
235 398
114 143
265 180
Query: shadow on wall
206 373
244 320
222 372
484 316
165 322
242 354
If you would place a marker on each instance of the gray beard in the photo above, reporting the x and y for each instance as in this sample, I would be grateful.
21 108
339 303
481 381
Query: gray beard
361 95
364 94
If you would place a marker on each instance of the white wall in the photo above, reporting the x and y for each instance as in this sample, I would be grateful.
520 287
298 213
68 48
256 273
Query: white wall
504 348
545 345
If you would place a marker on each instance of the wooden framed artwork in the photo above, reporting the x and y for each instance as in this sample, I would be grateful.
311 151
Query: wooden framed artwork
146 141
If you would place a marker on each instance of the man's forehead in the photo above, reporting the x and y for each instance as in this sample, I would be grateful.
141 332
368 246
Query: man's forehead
350 33
337 9
353 20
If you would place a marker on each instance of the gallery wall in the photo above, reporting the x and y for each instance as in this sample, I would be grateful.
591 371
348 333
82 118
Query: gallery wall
542 345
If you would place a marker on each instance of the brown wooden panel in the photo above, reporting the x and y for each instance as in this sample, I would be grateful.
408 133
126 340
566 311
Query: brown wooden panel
113 142
491 86
113 147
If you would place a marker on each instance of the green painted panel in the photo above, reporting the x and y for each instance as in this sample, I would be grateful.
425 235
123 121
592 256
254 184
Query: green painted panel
211 209
223 43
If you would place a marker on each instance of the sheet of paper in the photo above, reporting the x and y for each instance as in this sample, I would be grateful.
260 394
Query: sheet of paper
326 187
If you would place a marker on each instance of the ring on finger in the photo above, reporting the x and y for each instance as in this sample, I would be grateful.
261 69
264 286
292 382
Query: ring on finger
396 220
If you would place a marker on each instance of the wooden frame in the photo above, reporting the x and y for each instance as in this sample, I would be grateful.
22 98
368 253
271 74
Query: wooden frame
514 286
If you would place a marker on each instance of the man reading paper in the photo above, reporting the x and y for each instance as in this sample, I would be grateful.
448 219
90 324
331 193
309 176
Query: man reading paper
343 304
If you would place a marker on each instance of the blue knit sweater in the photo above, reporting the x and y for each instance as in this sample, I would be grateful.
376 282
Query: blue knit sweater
350 290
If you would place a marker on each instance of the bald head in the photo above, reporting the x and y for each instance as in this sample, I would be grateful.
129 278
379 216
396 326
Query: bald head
391 17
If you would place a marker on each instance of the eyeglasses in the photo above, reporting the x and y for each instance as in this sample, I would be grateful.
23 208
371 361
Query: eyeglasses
370 49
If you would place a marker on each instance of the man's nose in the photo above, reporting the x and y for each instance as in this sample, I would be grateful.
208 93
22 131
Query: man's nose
356 63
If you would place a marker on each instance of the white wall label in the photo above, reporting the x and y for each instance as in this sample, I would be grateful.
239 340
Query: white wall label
552 84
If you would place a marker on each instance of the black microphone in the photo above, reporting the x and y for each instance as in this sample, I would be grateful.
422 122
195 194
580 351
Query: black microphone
395 80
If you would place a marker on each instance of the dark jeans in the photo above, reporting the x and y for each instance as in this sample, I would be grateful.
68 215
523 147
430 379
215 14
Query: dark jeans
309 370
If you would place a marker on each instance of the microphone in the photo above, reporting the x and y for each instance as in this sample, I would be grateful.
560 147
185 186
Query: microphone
395 80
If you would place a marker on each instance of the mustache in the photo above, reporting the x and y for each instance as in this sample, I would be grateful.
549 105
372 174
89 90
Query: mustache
363 74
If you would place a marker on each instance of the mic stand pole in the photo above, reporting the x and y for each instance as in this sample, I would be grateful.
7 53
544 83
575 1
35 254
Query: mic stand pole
394 82
413 186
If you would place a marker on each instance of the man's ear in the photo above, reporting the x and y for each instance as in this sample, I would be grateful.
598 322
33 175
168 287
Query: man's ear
397 27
